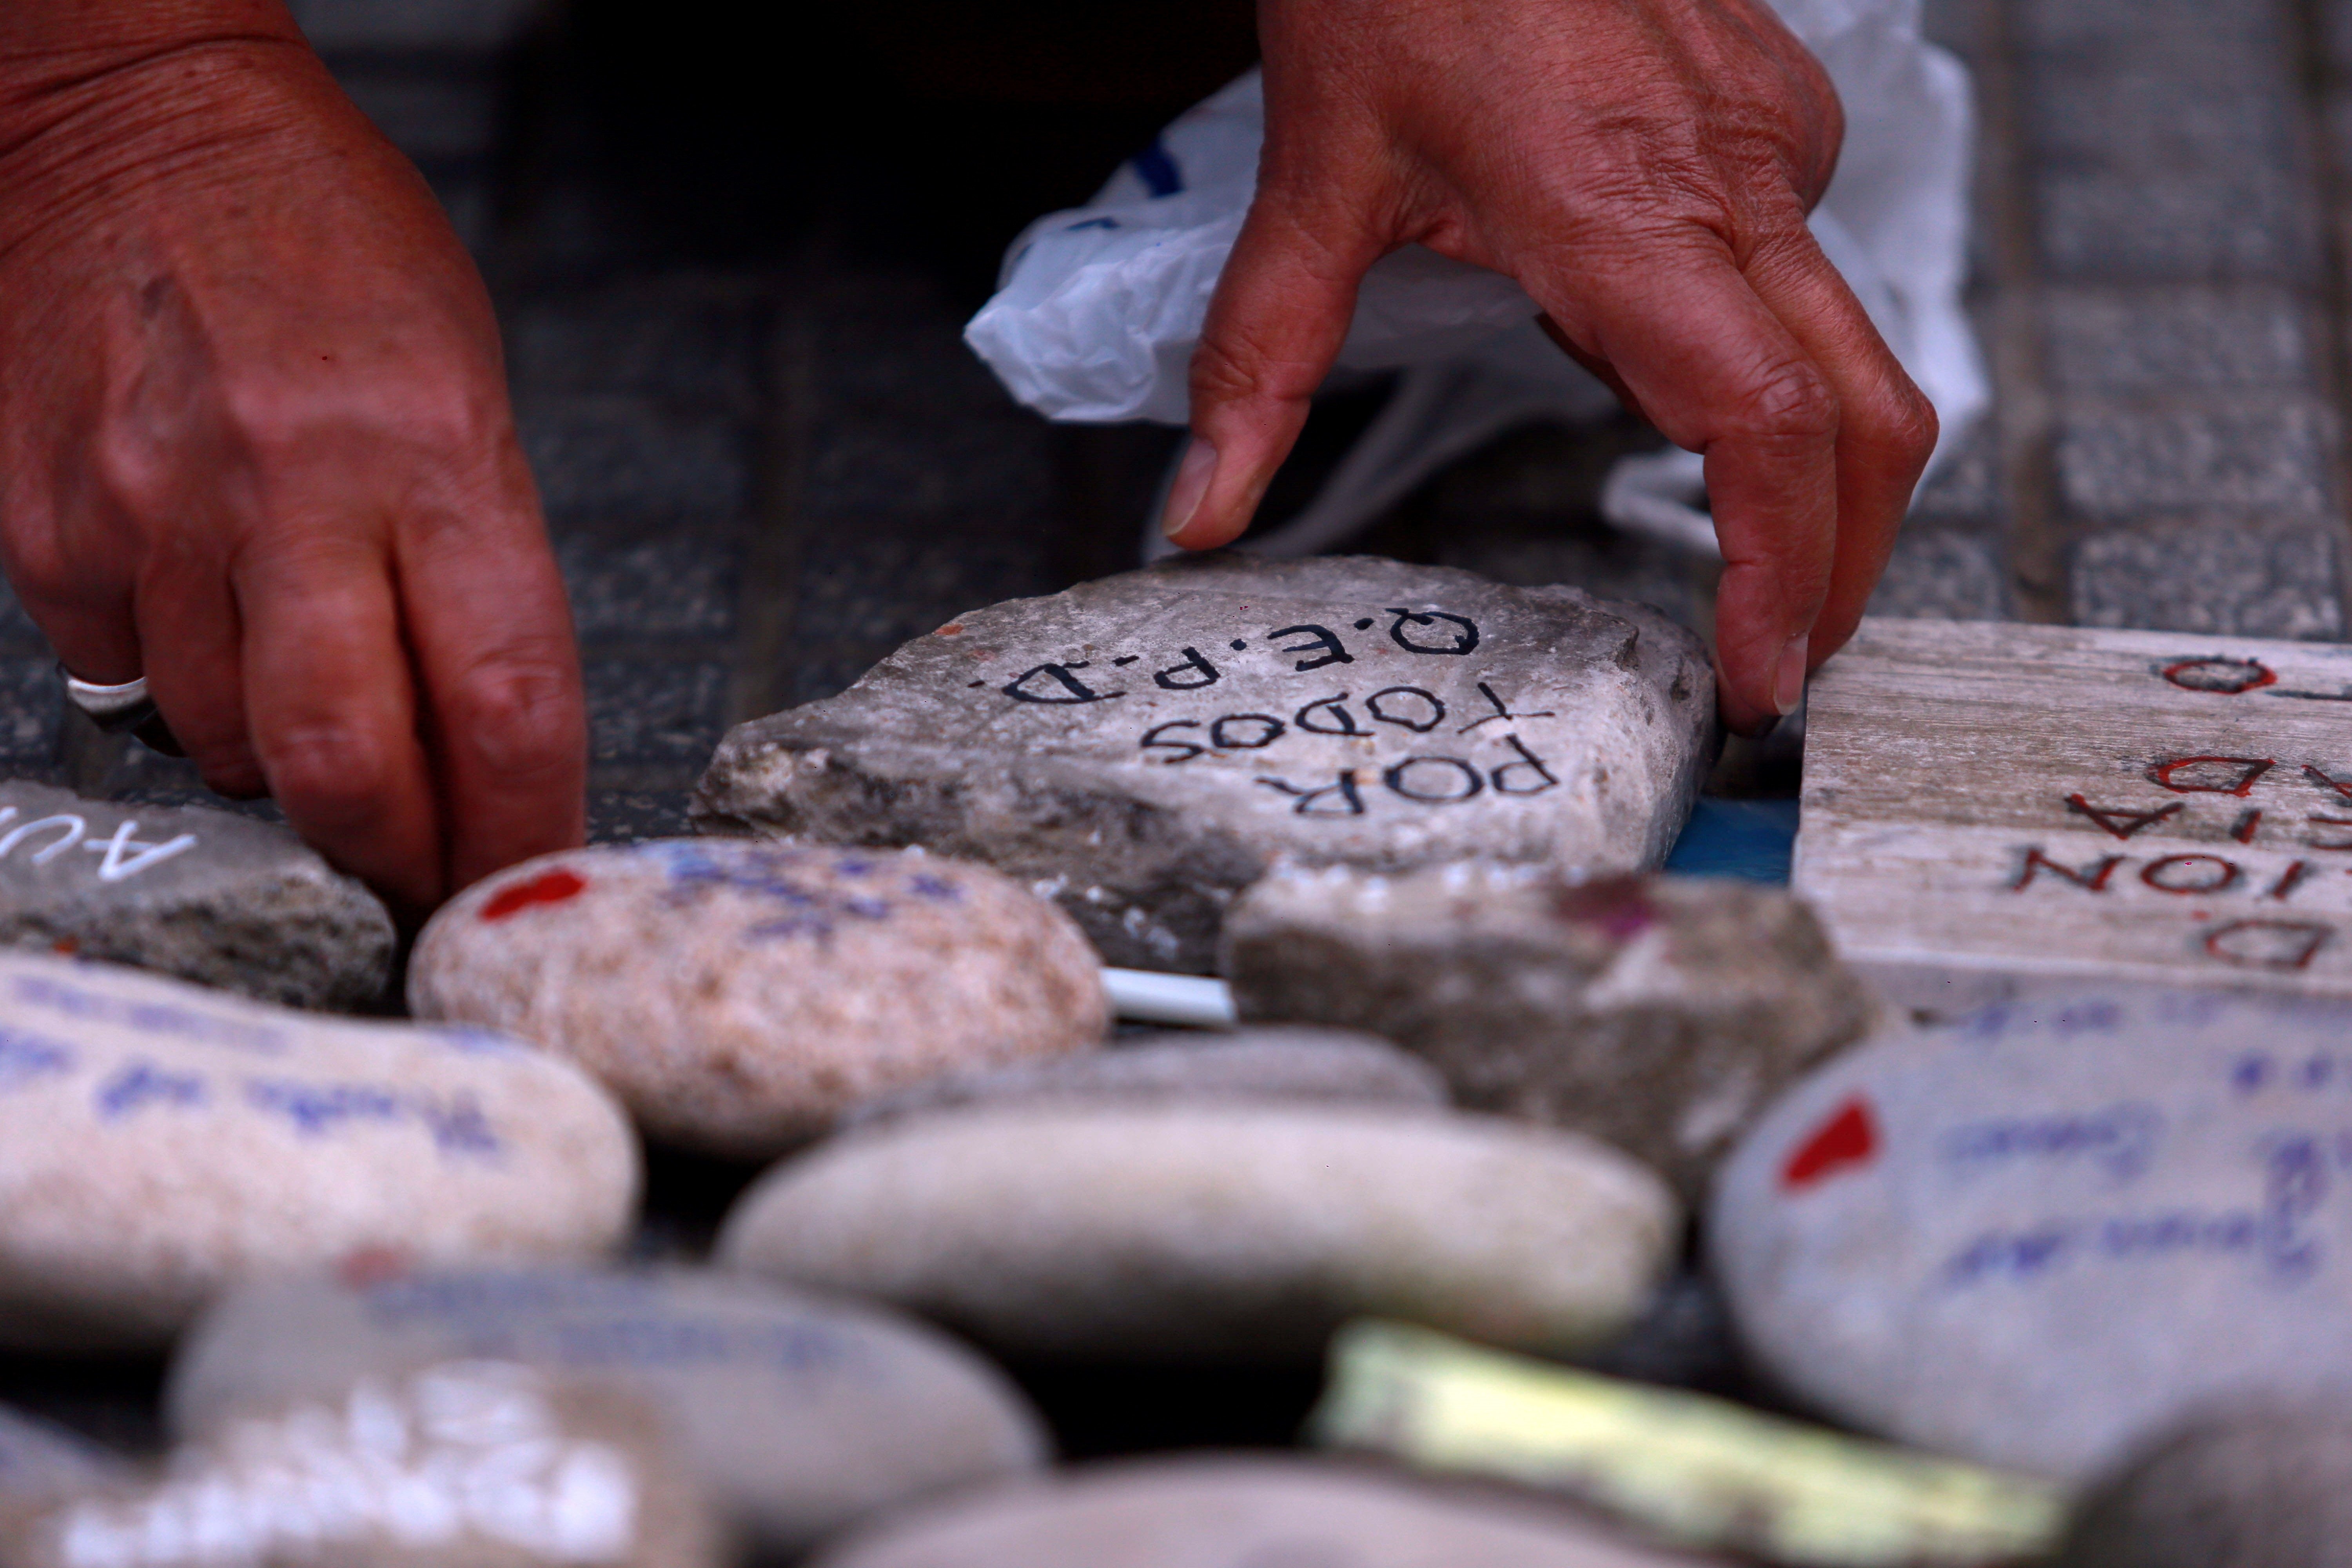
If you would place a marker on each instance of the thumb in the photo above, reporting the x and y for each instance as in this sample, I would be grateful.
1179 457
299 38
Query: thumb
1280 312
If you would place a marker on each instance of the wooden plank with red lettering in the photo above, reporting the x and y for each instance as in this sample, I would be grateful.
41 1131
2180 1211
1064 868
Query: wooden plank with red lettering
1989 804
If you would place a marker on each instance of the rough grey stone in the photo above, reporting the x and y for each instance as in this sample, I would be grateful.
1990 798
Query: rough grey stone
798 1414
1660 1014
1146 746
160 1142
1237 1234
1266 1064
615 456
2036 1236
2232 578
738 995
642 711
2247 225
207 895
1942 573
39 1461
2166 341
2123 463
2261 1483
468 1464
1260 1511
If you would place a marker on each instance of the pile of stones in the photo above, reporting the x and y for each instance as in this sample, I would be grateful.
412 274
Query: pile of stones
1497 1078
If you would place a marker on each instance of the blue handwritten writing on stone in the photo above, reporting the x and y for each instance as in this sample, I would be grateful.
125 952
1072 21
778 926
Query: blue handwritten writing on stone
2306 1072
2084 1017
146 1017
142 1084
798 883
663 1340
2119 1139
25 1058
316 1109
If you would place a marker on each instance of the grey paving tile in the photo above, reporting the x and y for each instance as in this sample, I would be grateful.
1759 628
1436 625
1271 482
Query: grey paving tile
2196 39
2223 577
618 817
1967 484
640 713
18 635
2254 224
624 457
1590 557
433 108
2119 463
1944 574
975 474
2163 340
681 585
2145 124
863 595
30 700
452 26
685 340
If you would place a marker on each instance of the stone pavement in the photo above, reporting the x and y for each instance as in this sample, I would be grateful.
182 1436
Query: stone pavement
766 467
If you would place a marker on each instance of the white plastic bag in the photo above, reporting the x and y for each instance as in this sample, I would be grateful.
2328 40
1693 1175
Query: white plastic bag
1099 309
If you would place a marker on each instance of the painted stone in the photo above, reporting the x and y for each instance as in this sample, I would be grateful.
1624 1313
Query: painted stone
1990 808
2261 1483
738 995
1661 1013
2036 1235
798 1414
1216 1233
40 1461
462 1465
1144 746
160 1142
208 896
1330 1065
1225 1512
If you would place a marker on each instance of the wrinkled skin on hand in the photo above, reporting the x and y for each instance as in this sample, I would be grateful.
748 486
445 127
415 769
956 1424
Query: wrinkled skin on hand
1644 169
254 442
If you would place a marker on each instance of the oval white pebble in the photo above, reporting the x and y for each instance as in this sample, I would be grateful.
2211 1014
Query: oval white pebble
1217 1232
160 1141
2039 1236
799 1414
738 995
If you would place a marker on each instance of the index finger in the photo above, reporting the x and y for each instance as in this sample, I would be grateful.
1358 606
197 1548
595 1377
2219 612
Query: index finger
491 629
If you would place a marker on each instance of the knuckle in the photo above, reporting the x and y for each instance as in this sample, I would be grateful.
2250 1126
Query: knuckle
328 773
519 712
1790 401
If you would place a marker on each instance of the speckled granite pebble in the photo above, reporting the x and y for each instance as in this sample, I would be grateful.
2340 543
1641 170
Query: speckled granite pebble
799 1414
1217 1233
1659 1013
737 996
160 1141
208 896
1332 1066
1261 1511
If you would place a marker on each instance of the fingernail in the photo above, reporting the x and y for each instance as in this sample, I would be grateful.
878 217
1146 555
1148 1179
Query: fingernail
1192 476
1789 682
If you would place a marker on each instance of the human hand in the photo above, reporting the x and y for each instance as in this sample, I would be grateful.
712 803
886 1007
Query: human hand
254 442
1644 169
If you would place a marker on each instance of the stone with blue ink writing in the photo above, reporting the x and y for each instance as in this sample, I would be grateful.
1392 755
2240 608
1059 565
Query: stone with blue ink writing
1284 1062
1145 746
739 994
205 895
799 1415
1659 1013
162 1142
1217 1233
2039 1233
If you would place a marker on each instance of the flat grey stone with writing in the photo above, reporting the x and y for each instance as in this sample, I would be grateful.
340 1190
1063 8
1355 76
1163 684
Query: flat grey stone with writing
1988 805
2040 1234
160 1142
2264 1482
740 995
1228 1511
1340 1066
463 1464
38 1460
207 895
798 1414
1216 1233
1146 746
1660 1014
